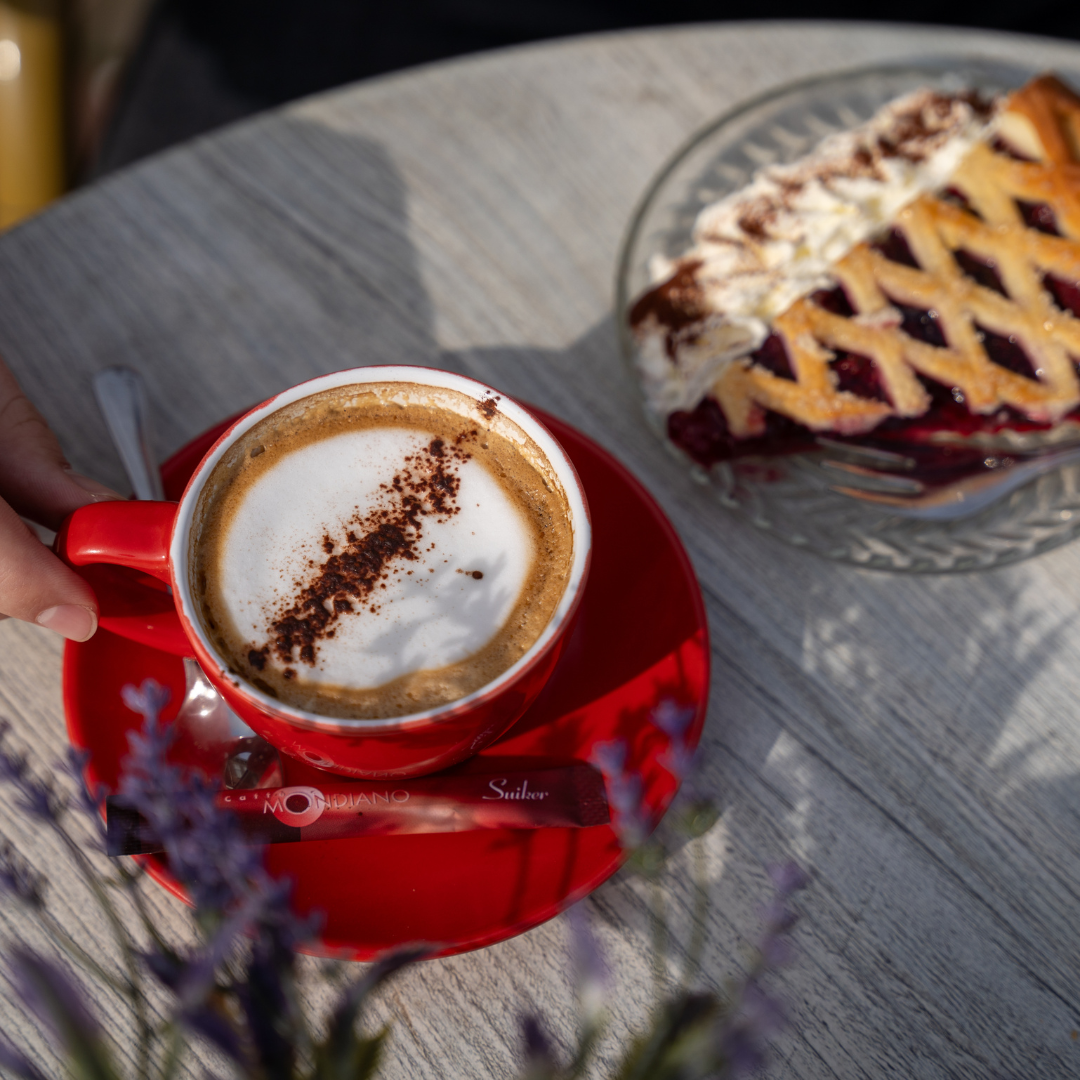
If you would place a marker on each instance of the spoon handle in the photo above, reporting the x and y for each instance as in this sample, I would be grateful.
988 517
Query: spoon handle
121 397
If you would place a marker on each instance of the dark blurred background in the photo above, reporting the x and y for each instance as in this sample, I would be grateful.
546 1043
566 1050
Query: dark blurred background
204 61
142 75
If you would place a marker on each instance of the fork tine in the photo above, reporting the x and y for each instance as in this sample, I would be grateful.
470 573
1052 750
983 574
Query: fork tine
871 480
867 495
945 504
869 455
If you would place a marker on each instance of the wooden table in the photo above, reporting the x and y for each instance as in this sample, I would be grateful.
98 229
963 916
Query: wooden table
911 740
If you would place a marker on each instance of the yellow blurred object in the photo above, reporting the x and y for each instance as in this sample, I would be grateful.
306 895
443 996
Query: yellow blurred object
31 107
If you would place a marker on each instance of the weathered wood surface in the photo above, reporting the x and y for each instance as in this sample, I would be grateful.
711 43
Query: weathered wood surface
913 741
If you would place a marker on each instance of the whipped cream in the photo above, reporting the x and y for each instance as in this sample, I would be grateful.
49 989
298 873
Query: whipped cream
765 246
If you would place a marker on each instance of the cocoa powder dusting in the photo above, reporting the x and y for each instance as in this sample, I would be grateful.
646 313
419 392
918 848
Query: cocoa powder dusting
674 303
757 218
425 487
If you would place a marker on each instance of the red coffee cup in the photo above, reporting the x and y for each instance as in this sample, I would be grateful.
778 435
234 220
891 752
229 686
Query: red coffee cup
152 538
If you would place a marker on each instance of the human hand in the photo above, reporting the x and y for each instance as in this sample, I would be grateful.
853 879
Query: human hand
37 483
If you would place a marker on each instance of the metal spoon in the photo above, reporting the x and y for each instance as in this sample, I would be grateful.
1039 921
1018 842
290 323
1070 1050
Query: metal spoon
121 396
207 729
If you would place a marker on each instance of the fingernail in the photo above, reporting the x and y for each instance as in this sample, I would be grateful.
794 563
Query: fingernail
97 491
69 620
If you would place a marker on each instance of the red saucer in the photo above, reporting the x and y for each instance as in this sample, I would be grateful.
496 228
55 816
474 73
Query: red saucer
641 637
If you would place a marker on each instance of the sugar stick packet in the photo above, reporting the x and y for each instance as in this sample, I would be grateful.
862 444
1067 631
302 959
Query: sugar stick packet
568 797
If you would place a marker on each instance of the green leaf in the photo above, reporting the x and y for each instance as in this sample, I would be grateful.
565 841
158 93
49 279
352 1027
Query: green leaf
341 1039
678 1043
648 860
174 1052
696 819
352 1057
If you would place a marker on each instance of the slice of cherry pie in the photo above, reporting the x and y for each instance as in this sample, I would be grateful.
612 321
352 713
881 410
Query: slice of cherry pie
915 280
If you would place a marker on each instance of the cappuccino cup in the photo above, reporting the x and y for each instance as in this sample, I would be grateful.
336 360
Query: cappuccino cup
376 569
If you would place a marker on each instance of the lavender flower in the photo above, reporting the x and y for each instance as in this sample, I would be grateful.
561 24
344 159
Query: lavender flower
592 983
16 1062
238 989
693 1035
787 878
343 1053
59 1002
205 849
232 893
592 973
541 1062
631 819
755 1013
89 799
148 699
693 812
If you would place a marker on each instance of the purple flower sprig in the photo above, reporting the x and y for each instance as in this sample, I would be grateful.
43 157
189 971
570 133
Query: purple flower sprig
754 1014
630 817
541 1057
59 1002
239 907
692 1034
203 845
593 982
680 759
692 813
50 804
238 989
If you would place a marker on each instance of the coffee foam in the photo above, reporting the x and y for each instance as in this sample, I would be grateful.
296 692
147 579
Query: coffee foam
442 619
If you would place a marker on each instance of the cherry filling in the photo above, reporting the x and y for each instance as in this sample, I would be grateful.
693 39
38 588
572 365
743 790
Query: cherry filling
921 324
958 198
859 376
1038 216
834 300
703 433
772 356
894 247
984 271
1066 294
1006 352
1000 146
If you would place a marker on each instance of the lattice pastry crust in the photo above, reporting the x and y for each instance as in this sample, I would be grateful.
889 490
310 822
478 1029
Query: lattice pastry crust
979 216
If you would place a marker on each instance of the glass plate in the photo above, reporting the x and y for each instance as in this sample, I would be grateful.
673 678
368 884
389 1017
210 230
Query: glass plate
791 495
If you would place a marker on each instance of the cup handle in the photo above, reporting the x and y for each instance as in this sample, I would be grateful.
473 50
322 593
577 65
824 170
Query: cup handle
107 541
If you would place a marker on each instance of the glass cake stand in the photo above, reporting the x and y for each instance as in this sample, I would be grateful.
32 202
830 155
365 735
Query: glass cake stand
791 495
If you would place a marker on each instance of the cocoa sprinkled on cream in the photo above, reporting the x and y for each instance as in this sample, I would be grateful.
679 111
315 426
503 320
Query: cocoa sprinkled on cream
426 486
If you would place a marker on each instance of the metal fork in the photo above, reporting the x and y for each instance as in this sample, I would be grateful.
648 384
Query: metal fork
877 476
